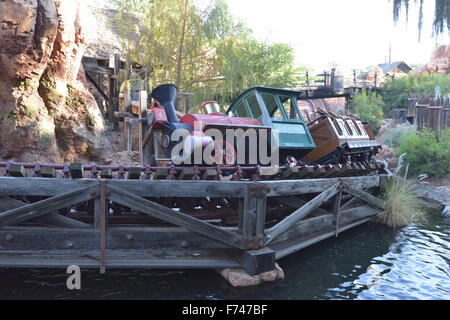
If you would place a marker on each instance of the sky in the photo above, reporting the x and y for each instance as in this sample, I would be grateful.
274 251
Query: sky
351 33
354 34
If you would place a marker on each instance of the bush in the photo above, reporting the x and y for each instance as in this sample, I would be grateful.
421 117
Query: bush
396 92
425 154
369 107
394 136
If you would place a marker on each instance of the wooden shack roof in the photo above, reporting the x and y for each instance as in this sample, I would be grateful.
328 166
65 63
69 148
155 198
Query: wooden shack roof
105 40
398 66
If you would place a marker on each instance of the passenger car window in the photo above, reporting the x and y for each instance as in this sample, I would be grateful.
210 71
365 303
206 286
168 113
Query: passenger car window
272 106
289 107
240 110
254 107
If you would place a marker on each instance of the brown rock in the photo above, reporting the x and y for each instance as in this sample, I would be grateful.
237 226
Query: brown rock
439 61
45 107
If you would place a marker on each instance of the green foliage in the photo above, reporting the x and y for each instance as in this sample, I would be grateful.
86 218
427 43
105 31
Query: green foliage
425 154
247 63
396 92
394 136
369 107
46 138
205 51
402 203
441 22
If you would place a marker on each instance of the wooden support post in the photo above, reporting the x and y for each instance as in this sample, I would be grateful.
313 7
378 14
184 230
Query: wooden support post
337 207
142 125
114 62
252 217
128 135
102 225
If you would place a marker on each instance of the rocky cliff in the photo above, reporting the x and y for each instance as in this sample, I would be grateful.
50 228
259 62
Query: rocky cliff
46 111
439 61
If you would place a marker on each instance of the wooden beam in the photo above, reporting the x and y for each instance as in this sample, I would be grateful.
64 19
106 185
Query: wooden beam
177 218
285 224
247 217
117 238
144 188
296 187
337 208
256 261
42 207
102 225
51 219
367 197
312 230
296 203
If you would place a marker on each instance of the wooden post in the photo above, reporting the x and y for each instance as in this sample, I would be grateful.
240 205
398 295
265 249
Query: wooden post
142 125
114 62
337 208
128 135
100 223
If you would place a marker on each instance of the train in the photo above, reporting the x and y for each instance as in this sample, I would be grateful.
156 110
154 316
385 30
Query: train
269 116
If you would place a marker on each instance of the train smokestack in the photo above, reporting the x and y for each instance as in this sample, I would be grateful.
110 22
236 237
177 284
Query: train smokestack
166 94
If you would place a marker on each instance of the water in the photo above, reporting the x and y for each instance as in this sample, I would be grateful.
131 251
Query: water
368 262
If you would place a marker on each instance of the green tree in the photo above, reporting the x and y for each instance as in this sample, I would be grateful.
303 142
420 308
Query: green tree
205 51
441 22
247 63
369 107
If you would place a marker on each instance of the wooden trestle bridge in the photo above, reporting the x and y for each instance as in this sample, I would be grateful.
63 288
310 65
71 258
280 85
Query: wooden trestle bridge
57 222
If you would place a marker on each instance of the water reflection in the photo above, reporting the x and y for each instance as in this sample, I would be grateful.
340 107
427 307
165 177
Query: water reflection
369 262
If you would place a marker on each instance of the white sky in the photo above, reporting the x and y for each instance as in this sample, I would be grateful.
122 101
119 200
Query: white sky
352 33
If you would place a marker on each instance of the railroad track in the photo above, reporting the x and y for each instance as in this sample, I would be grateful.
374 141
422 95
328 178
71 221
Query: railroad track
225 173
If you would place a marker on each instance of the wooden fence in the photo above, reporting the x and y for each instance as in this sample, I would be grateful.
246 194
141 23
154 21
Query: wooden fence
431 113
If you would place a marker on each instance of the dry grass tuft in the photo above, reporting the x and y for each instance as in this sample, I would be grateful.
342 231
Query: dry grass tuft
402 204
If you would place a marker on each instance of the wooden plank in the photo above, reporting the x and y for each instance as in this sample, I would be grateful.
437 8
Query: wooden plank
296 203
42 207
117 238
145 188
295 187
177 218
186 258
47 172
50 219
16 170
134 173
319 228
76 170
367 197
181 188
285 224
